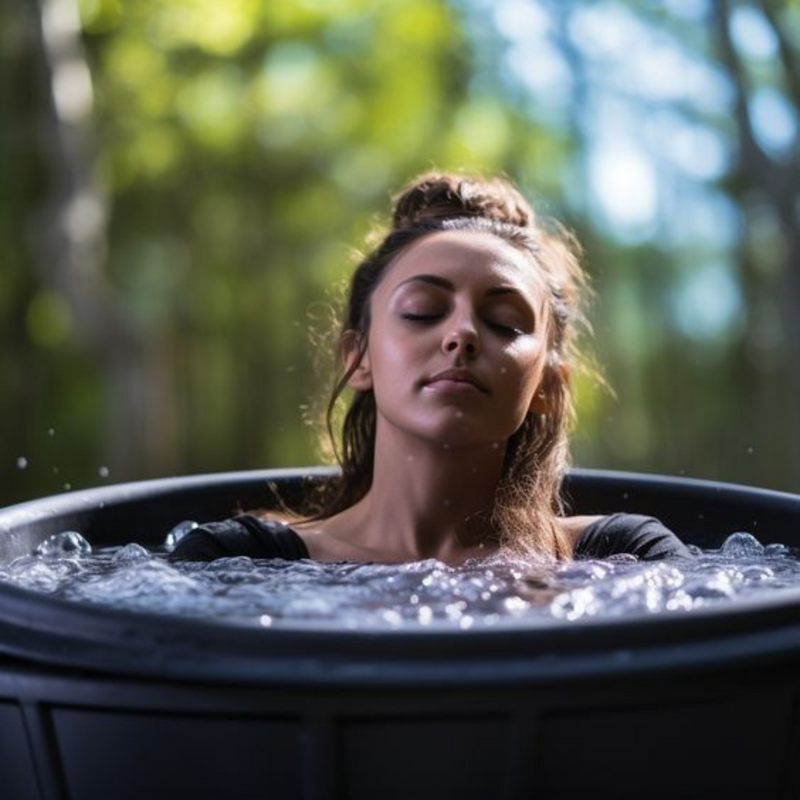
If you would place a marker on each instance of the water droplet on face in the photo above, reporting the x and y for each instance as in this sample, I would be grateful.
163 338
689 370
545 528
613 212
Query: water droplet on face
22 463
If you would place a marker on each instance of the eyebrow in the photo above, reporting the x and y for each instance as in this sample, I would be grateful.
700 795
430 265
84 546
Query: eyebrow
437 280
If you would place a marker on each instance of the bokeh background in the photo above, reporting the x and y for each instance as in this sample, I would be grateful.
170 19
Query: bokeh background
182 183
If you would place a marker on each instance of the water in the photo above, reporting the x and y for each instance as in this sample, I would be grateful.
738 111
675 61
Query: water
480 593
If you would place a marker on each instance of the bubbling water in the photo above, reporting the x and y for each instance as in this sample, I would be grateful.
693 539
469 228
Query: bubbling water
480 593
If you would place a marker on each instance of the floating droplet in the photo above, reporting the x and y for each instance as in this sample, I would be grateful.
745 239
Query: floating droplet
22 463
103 472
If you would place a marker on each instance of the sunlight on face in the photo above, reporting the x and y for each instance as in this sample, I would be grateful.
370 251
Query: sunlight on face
458 340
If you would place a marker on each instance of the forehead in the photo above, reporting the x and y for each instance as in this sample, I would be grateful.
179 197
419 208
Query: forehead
466 257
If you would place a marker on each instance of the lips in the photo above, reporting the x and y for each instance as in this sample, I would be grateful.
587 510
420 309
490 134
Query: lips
456 378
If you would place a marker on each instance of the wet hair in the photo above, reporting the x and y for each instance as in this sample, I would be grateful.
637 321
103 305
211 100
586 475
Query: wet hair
528 499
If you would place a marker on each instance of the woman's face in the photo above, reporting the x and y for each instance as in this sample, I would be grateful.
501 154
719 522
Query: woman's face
457 341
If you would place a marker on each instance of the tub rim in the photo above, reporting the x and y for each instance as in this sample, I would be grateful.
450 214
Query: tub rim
37 630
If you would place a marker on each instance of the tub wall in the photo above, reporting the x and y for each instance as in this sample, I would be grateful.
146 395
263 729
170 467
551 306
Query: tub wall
706 736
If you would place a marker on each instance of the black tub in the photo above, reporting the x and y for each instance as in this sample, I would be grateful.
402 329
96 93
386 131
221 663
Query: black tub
98 705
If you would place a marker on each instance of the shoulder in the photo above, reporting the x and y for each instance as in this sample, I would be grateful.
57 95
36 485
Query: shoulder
243 535
639 535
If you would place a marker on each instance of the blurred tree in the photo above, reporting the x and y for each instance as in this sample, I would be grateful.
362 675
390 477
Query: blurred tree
182 183
682 178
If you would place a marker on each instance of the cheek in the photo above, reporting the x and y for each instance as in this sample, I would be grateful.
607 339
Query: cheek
527 367
392 359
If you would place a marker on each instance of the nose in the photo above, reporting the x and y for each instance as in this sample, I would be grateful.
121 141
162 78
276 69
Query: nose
462 341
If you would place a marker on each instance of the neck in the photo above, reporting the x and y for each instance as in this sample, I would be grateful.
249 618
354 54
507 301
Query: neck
428 500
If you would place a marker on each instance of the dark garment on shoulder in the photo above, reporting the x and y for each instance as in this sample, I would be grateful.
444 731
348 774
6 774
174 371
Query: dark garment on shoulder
245 535
644 537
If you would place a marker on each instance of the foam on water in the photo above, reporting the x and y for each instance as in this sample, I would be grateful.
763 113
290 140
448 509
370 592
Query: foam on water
480 593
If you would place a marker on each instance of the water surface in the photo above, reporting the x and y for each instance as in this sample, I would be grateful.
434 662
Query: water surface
480 593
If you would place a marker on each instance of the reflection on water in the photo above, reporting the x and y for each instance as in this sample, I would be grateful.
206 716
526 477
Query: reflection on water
480 593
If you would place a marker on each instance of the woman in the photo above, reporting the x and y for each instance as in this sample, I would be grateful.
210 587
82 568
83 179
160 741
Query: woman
458 342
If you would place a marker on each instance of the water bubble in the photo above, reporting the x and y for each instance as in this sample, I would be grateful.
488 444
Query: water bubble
574 605
776 549
178 532
22 462
515 605
64 545
313 607
757 574
392 617
130 554
739 545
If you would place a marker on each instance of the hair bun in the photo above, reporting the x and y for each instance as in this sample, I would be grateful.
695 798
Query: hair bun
441 196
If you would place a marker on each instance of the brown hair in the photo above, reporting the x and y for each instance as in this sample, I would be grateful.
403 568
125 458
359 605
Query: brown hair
528 500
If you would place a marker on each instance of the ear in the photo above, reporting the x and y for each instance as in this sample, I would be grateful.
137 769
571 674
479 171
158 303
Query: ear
540 404
354 353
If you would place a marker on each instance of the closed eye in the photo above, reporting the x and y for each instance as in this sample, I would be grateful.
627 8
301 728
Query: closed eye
503 329
420 317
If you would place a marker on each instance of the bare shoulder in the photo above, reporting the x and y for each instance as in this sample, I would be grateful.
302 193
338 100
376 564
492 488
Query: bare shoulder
573 527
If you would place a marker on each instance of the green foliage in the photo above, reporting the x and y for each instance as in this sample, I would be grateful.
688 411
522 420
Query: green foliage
243 149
